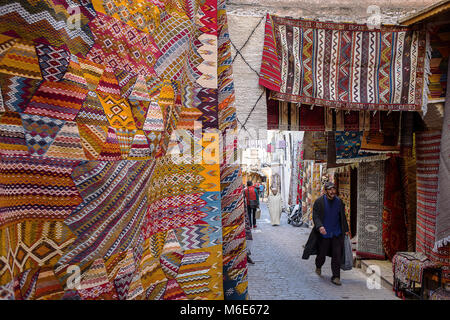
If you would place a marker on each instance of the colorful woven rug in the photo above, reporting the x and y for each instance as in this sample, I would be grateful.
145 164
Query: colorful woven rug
409 183
272 112
439 41
394 224
307 192
440 294
349 120
337 64
290 116
343 183
312 119
388 139
301 168
348 148
428 150
370 210
443 201
408 267
315 146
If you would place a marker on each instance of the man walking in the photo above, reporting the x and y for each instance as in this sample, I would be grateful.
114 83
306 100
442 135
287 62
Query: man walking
252 201
327 236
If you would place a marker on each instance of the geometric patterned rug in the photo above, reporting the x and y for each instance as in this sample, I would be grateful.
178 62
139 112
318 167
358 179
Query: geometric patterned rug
370 210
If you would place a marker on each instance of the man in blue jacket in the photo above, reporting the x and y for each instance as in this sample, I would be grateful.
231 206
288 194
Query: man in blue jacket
327 236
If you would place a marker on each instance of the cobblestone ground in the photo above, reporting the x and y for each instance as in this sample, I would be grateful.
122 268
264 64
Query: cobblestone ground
279 272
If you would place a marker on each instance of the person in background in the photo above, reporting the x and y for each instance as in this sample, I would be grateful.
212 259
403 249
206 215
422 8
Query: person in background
251 197
261 191
327 236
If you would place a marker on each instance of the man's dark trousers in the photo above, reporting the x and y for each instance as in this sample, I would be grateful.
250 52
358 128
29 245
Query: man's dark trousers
336 244
251 216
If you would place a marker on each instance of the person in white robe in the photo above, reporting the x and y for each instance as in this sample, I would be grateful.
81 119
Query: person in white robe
275 205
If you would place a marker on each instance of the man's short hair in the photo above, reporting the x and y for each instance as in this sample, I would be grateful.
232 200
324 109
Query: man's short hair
249 183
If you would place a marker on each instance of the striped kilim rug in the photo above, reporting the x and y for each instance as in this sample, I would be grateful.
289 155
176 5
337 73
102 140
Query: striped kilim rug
428 149
90 180
370 210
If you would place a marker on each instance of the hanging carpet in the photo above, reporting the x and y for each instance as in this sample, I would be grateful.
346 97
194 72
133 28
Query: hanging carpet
348 148
443 201
343 65
386 140
394 225
370 210
87 179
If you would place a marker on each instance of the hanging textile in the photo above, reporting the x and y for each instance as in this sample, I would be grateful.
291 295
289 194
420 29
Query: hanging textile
408 177
406 135
439 42
370 210
394 224
289 116
340 65
443 200
315 146
428 149
283 115
293 181
87 175
349 120
316 186
409 267
348 146
307 192
388 139
311 119
343 182
273 113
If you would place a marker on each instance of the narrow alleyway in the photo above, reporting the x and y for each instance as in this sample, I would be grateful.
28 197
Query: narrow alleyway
279 273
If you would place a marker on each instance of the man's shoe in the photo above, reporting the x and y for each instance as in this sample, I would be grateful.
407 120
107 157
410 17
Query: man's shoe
319 271
336 281
249 260
254 227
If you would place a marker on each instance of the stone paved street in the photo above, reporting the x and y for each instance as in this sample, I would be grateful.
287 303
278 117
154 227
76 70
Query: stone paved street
279 273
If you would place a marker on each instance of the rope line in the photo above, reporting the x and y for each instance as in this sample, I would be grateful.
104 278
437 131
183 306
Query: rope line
238 52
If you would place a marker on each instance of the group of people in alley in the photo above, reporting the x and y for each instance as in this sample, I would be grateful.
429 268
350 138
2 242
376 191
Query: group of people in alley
327 235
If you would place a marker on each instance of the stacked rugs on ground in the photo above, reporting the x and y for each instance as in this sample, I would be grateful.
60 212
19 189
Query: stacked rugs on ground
334 64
